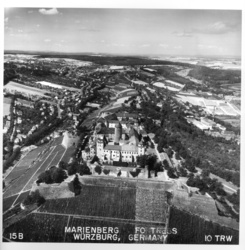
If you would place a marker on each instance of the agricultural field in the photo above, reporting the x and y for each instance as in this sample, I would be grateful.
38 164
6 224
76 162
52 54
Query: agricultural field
14 86
150 205
192 229
203 207
96 201
39 228
124 229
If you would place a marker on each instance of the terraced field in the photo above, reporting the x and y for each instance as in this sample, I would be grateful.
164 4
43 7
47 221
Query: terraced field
39 228
96 201
124 229
120 207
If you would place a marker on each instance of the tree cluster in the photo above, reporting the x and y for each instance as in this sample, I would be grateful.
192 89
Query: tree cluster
52 175
206 184
77 167
34 198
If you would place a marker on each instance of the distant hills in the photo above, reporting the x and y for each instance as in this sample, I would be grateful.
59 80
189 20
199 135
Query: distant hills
103 59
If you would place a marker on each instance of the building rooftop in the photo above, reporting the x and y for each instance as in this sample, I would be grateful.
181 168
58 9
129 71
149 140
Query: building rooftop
128 147
127 115
113 147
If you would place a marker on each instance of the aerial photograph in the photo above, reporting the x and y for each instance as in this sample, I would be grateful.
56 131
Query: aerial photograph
121 125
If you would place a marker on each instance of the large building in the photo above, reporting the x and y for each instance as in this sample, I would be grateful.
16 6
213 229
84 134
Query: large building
124 148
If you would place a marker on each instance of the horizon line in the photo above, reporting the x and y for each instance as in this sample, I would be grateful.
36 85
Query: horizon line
115 54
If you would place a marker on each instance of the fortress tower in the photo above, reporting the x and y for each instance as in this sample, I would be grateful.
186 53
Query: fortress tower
100 146
118 133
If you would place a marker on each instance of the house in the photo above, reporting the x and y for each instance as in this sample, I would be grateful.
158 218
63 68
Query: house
125 116
19 120
24 103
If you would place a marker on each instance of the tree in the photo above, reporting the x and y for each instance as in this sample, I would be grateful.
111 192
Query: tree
84 169
205 173
141 160
150 162
171 173
53 175
72 168
45 177
34 197
98 169
119 173
192 169
191 181
183 172
166 164
177 156
58 175
106 171
170 152
95 159
63 165
75 185
158 167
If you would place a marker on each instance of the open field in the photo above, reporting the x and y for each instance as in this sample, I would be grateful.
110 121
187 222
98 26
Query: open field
68 154
54 85
221 107
49 159
15 174
67 61
7 202
14 86
32 165
162 85
21 197
22 182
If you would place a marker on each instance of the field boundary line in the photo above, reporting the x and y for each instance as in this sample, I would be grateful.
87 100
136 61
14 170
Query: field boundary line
68 221
21 192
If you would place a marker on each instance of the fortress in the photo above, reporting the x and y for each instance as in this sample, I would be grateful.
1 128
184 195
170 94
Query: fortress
125 147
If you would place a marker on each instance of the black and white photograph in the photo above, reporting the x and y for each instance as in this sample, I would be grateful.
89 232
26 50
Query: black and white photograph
121 125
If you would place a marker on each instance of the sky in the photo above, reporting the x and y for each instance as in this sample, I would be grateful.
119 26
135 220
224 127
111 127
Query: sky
124 31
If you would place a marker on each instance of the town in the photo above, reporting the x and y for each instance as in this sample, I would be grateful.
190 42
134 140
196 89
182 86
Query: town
71 123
